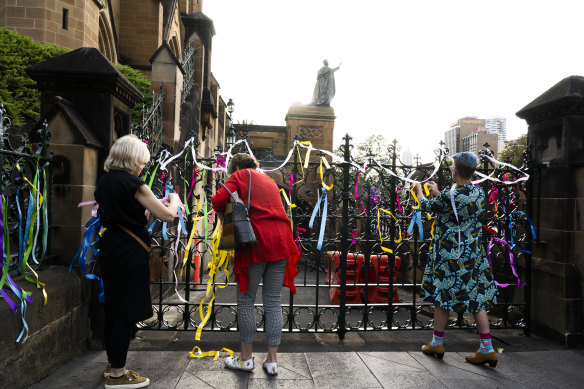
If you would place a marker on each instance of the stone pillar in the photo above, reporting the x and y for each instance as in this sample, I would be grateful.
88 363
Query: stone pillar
315 124
166 69
88 105
556 123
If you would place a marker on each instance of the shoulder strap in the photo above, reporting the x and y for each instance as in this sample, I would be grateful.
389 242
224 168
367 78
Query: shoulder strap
249 190
135 237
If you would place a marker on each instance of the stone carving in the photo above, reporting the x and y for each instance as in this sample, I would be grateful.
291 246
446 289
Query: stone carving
307 132
324 90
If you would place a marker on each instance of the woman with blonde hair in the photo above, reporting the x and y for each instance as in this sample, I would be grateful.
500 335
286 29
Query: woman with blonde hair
123 200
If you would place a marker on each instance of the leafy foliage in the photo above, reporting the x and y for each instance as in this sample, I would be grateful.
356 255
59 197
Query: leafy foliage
143 85
513 151
17 90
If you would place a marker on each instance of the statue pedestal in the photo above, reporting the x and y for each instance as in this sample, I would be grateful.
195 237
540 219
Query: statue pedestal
315 124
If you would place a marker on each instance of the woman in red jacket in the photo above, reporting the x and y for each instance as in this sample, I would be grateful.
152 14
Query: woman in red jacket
272 260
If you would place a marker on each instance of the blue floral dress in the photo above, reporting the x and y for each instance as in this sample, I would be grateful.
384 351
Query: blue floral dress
457 276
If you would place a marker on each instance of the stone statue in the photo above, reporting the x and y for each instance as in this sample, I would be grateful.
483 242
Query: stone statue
324 90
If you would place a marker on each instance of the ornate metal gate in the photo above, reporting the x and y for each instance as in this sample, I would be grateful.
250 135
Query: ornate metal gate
363 246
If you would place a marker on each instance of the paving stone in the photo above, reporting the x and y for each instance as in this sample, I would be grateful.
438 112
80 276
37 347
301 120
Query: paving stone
189 381
336 370
484 383
390 361
420 379
224 378
278 382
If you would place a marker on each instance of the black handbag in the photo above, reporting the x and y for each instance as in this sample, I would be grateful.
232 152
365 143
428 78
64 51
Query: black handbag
237 229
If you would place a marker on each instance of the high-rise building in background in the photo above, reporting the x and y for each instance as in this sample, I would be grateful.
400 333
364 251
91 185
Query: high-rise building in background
497 125
407 157
470 134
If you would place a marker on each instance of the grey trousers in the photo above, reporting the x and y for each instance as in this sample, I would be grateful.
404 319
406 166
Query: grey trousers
272 274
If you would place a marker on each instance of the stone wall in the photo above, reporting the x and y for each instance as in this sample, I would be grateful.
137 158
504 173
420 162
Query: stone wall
556 138
57 332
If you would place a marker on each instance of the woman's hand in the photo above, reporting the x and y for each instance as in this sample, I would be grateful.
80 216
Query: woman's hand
418 189
164 212
434 188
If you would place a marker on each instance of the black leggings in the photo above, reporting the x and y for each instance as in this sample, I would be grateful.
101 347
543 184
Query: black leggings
117 340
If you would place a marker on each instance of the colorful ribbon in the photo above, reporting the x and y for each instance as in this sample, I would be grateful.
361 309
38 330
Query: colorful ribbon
323 219
513 269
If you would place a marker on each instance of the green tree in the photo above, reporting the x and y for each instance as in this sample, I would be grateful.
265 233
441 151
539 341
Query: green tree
143 85
513 151
17 90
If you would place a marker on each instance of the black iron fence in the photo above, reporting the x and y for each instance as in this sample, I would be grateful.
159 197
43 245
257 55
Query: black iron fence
362 259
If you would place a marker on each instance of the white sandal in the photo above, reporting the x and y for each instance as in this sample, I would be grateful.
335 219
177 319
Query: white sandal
270 368
236 364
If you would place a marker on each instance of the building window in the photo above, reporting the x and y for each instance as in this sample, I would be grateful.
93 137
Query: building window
65 19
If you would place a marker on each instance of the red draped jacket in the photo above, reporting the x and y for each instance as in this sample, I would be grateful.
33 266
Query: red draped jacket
270 224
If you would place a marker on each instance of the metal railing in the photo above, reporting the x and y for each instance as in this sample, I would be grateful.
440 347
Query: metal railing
353 283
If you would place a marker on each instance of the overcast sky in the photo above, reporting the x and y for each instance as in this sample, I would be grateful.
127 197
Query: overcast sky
409 68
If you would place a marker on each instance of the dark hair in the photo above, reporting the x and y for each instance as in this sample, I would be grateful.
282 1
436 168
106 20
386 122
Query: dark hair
465 164
241 161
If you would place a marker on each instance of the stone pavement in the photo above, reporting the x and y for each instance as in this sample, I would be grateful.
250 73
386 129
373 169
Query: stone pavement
362 360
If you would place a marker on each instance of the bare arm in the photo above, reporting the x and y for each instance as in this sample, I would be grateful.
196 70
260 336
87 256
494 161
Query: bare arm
164 212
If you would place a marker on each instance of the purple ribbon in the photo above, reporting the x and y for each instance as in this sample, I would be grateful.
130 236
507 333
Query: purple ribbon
519 283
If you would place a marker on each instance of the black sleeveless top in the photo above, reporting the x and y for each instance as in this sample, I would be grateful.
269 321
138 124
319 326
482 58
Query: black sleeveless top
123 261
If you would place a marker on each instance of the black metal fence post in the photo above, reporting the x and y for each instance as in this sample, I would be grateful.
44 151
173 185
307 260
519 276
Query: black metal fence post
344 238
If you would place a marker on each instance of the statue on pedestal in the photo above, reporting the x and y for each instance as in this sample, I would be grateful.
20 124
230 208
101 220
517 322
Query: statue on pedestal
324 90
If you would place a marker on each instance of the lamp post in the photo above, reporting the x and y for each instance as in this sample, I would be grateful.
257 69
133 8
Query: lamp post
231 136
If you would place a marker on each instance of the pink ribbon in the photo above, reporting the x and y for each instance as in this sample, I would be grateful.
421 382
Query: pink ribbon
357 197
292 182
353 241
95 208
519 283
220 160
298 229
195 172
397 189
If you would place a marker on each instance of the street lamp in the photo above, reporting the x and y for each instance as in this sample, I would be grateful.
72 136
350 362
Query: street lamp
230 105
231 137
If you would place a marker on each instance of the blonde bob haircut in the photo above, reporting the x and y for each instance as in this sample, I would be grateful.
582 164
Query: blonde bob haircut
127 153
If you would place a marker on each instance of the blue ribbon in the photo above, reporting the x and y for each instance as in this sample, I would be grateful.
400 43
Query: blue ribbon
417 219
90 227
323 220
512 233
167 189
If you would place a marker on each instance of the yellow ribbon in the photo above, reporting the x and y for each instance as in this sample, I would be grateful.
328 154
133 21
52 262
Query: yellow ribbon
432 232
215 354
323 159
287 199
416 201
379 210
219 258
191 236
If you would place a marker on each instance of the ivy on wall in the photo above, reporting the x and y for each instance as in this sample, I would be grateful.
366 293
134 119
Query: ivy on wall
17 90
